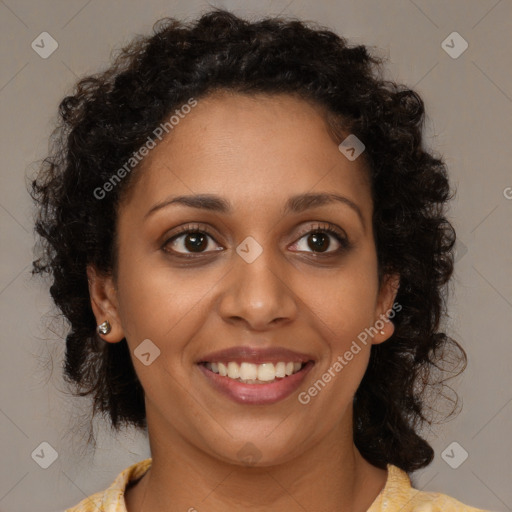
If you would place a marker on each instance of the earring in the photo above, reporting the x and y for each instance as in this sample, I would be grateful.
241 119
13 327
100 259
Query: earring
381 332
105 327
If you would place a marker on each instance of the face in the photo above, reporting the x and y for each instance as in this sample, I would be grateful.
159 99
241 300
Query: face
261 272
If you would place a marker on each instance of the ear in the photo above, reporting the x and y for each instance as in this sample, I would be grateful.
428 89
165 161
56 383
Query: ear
104 303
386 308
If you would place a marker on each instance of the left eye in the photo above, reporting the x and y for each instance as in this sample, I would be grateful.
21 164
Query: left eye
319 242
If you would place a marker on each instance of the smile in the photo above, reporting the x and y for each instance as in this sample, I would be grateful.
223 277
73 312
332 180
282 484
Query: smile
252 388
250 373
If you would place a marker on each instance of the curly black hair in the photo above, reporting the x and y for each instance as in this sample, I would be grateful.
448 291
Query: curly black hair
111 114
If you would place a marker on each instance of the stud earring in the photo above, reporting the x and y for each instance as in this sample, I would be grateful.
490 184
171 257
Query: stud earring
105 327
381 332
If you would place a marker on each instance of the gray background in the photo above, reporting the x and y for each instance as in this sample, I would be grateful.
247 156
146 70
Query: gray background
469 107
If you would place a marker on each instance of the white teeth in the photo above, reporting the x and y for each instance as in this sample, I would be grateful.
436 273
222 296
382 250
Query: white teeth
248 371
280 370
222 369
254 373
233 370
266 372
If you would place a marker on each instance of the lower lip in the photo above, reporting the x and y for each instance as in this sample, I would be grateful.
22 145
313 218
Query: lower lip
257 394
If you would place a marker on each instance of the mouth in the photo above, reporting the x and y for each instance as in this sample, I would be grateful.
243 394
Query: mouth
255 384
250 373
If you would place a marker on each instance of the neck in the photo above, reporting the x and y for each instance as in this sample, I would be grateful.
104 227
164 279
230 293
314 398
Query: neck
330 476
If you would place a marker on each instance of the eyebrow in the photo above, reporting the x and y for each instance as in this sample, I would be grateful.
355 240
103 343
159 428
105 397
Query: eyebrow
295 204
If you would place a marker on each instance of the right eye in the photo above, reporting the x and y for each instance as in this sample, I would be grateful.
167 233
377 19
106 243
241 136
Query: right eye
189 240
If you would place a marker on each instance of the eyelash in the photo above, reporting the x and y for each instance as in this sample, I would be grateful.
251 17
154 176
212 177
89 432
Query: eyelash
328 228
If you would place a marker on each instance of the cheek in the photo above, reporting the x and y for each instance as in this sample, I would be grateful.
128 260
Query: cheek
343 304
340 314
159 304
165 307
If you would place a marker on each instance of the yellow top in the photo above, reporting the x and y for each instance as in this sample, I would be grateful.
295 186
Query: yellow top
397 495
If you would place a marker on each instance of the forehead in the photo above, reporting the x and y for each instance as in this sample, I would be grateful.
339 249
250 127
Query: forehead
250 148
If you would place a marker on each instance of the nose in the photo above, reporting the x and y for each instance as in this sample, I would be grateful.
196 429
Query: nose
257 294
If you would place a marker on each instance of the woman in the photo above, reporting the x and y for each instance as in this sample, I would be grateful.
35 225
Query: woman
249 242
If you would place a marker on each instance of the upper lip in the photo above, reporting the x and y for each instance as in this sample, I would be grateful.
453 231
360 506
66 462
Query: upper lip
255 355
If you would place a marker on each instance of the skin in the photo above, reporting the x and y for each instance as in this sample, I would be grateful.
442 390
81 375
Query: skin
255 152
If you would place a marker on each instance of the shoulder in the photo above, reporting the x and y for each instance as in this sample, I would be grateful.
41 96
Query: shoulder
112 499
399 495
422 501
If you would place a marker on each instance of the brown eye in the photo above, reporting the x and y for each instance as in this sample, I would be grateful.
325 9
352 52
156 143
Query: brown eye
189 241
320 240
195 242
